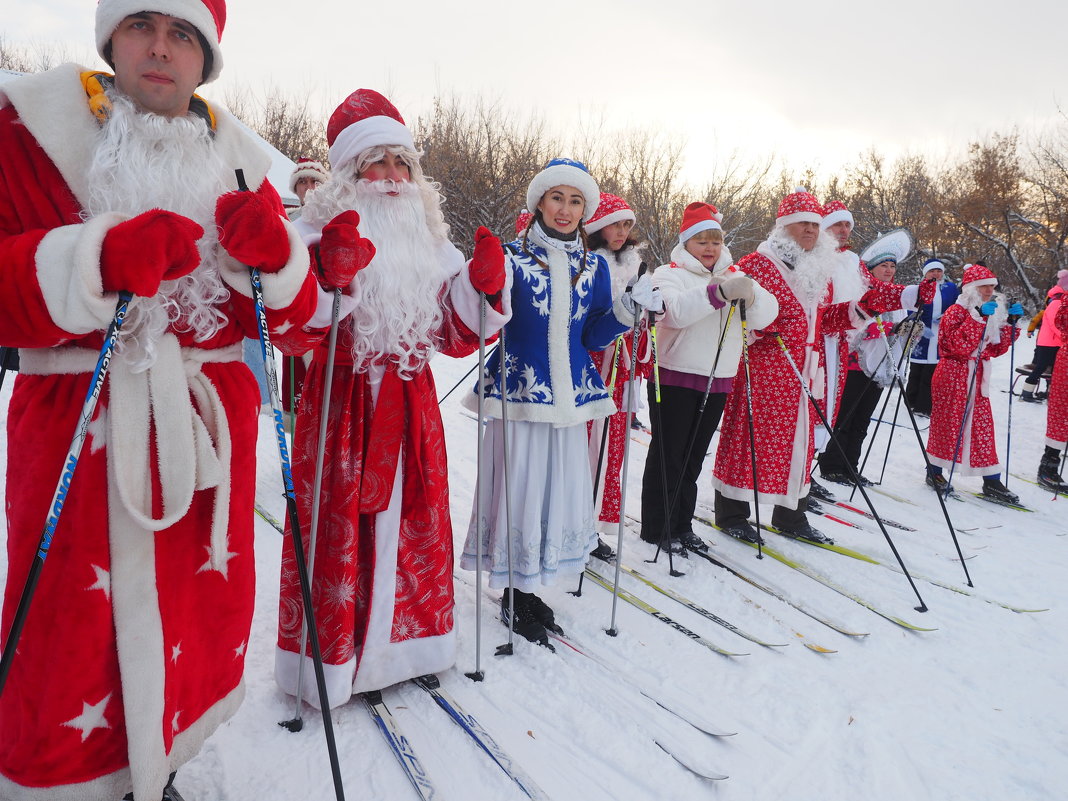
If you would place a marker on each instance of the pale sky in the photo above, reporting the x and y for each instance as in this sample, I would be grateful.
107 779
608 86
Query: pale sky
815 87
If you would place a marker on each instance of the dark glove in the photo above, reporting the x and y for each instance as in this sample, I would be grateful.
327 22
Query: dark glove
343 252
487 263
251 230
141 253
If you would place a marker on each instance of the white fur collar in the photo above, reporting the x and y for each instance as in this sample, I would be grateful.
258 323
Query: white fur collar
683 258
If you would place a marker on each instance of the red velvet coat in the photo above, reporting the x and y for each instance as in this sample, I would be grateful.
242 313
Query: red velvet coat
133 650
962 349
782 415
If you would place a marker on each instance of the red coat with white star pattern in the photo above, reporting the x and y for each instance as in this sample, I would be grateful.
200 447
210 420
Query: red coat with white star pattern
960 338
133 649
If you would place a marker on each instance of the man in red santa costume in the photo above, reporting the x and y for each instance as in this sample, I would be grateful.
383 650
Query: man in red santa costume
383 553
796 264
133 649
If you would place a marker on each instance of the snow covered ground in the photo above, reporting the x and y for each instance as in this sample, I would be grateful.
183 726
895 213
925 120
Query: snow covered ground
973 710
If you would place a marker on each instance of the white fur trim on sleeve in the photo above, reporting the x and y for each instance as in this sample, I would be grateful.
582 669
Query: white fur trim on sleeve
324 309
280 288
910 295
465 300
68 272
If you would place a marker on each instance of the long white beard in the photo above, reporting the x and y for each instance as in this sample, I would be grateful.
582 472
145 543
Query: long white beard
970 299
812 269
144 161
399 313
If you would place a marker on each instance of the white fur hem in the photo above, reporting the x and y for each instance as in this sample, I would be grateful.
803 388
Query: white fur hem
281 288
383 664
560 417
338 678
1052 443
465 302
68 273
964 469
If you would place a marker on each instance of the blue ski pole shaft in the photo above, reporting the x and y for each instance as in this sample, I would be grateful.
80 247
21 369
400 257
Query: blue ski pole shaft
59 497
294 523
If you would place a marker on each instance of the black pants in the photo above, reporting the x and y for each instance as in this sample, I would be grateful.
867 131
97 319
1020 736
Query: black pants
918 388
859 399
1043 359
730 512
673 426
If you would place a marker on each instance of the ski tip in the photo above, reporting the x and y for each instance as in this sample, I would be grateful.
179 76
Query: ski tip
819 649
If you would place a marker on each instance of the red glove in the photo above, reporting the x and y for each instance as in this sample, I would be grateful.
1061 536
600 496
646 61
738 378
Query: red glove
251 231
927 291
141 253
342 251
487 263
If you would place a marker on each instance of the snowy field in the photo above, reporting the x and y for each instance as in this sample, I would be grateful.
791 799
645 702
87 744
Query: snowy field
972 710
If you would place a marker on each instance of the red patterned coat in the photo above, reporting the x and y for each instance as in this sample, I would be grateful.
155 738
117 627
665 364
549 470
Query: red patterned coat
133 650
383 557
1057 411
965 347
782 415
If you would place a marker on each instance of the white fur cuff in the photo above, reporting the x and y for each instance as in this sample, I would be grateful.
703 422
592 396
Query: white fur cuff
279 289
465 301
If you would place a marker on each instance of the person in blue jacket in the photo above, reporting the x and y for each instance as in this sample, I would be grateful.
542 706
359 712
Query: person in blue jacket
562 308
924 356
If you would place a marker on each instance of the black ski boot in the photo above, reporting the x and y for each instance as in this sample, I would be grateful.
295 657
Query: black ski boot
526 624
803 531
692 542
603 551
744 532
821 492
813 505
1028 394
994 489
543 613
938 483
1049 475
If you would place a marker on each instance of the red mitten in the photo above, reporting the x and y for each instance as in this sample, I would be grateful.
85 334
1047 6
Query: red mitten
487 263
927 291
153 247
342 251
251 231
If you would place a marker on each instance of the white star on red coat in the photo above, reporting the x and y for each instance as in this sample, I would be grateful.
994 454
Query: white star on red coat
92 718
226 557
103 582
240 650
174 720
176 652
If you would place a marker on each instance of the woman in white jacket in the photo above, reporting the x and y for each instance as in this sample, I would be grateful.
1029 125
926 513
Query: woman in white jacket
699 288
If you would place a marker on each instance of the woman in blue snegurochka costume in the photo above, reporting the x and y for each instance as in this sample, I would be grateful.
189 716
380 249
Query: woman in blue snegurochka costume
562 308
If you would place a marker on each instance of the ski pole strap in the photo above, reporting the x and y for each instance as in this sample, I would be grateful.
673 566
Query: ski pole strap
615 366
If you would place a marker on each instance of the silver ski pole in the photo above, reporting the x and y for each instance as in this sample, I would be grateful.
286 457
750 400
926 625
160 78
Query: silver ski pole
480 505
507 648
317 488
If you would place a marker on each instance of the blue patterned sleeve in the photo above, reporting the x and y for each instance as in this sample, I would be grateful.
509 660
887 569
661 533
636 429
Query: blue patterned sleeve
600 327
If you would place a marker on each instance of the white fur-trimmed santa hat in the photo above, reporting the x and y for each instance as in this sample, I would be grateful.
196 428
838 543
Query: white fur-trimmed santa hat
365 119
978 275
835 211
698 217
207 16
308 168
611 209
565 172
799 206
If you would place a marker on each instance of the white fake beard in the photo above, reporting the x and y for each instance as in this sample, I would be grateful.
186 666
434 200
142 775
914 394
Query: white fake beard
970 299
399 311
145 161
812 270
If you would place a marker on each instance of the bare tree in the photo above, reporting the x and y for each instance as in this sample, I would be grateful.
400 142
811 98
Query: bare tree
282 120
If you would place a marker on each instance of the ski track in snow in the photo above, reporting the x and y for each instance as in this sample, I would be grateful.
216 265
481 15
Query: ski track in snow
971 711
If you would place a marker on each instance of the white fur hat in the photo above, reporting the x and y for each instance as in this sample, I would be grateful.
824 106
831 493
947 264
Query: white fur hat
565 172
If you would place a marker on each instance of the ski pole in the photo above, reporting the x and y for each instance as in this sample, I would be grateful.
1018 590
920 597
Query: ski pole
294 523
967 414
752 434
612 631
467 375
4 351
900 383
1008 424
317 488
59 497
823 418
607 420
890 439
507 649
480 511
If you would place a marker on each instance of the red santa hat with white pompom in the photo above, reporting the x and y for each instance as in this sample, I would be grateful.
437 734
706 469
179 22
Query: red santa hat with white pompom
308 168
611 209
978 275
698 217
835 211
207 16
799 206
364 119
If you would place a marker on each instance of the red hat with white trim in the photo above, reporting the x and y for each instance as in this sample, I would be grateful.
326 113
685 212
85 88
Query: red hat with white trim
364 119
698 217
207 16
835 211
308 168
611 209
978 275
522 221
799 206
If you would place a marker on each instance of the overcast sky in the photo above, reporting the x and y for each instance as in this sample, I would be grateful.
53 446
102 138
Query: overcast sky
754 77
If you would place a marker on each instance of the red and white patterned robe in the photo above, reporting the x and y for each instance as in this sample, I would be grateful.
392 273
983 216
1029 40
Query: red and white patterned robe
1057 403
963 349
133 650
382 586
782 415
